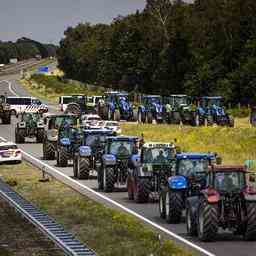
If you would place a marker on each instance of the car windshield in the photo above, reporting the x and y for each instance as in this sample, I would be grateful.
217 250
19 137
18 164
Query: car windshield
192 167
122 148
158 155
229 181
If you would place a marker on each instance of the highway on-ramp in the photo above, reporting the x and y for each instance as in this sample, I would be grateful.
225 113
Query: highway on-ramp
227 244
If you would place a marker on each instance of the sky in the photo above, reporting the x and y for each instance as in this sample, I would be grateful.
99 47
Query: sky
46 20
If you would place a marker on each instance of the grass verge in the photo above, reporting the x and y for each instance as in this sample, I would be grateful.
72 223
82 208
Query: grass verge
109 232
235 145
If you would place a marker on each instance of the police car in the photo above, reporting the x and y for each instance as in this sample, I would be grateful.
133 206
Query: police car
9 152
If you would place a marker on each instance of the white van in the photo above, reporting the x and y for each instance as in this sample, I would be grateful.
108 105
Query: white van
65 100
25 104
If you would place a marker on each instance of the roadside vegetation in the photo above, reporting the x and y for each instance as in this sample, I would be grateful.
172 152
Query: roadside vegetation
234 145
107 231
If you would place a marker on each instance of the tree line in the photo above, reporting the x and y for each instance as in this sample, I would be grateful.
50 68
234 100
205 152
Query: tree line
207 47
25 48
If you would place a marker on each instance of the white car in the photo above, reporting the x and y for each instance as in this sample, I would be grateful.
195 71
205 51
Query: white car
91 120
9 152
112 125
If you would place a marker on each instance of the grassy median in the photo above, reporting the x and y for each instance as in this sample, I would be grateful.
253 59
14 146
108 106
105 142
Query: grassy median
107 231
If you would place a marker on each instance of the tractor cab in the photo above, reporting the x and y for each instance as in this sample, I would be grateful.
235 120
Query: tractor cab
177 101
151 99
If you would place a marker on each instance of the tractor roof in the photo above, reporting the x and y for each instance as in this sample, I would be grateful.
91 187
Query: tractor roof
212 97
191 155
123 138
158 145
228 168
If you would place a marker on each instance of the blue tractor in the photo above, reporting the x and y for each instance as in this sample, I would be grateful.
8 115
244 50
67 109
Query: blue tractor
188 179
117 106
119 153
87 155
151 108
211 110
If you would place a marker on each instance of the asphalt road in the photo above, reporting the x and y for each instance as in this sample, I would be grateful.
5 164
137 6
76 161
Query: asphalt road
227 244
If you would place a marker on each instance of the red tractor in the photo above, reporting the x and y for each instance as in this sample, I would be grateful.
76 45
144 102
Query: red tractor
227 202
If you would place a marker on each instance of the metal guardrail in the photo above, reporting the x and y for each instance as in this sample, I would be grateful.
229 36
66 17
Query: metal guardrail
55 232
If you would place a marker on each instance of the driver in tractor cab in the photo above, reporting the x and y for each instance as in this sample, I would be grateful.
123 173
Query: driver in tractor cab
160 158
122 150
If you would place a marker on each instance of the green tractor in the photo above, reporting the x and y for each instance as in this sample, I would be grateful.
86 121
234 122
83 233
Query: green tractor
31 125
5 110
179 108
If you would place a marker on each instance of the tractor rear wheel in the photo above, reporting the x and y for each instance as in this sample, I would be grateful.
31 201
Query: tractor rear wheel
40 135
191 222
20 135
108 179
207 227
173 206
250 233
142 190
48 150
149 117
75 167
117 115
63 157
161 204
83 168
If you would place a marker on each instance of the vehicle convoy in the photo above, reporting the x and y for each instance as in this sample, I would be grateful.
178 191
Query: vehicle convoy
88 154
117 106
119 153
179 108
31 125
211 111
227 202
52 123
76 105
151 108
151 171
188 178
5 110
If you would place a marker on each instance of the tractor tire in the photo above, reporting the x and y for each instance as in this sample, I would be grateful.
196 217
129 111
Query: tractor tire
6 118
161 204
207 227
73 108
83 168
209 120
100 179
130 186
117 115
176 117
108 179
142 190
40 136
48 150
149 118
105 113
141 117
74 166
134 115
173 206
250 232
20 135
191 222
63 157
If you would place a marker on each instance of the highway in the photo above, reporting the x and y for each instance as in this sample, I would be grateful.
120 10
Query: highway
227 244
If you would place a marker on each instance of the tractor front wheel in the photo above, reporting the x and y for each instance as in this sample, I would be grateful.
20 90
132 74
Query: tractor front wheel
141 191
40 135
83 168
63 157
191 222
161 204
250 233
173 206
108 179
48 150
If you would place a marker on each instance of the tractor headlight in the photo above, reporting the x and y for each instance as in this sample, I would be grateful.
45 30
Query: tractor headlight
85 151
65 141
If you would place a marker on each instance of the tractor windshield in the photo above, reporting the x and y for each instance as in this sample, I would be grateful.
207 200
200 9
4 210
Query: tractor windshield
61 120
208 102
122 148
95 140
229 181
31 117
178 101
158 155
192 167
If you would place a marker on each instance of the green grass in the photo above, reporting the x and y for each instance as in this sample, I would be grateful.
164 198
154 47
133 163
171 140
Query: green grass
109 232
51 87
235 145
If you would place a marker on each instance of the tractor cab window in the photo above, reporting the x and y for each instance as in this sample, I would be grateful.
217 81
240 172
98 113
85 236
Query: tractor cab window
180 101
158 155
122 148
95 140
192 167
229 181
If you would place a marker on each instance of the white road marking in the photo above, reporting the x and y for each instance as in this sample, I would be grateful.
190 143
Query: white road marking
10 87
185 241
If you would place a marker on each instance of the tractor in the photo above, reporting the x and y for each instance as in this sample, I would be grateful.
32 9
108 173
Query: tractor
31 125
92 103
88 154
119 153
5 110
151 171
77 105
151 108
52 124
179 108
187 179
228 201
117 106
211 111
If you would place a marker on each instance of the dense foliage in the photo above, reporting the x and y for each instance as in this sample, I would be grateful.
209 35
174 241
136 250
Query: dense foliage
25 48
204 48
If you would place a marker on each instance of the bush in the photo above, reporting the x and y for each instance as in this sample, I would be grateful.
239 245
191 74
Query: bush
242 112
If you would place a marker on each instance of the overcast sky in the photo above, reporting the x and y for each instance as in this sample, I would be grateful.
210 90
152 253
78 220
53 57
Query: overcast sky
46 20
